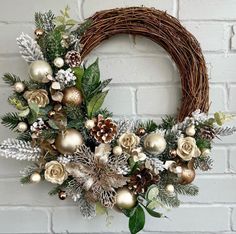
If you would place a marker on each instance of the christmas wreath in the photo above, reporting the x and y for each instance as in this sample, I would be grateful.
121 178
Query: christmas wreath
75 144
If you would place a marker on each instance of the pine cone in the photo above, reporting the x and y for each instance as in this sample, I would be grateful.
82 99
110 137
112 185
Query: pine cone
142 179
73 58
105 130
207 133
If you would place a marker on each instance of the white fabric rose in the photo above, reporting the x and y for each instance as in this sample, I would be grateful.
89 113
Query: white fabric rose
187 148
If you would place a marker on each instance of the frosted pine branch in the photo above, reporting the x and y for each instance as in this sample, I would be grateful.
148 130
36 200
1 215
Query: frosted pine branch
20 150
29 48
225 131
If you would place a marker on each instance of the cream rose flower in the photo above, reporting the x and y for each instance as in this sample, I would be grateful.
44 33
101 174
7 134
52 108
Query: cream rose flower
187 148
128 141
55 172
38 96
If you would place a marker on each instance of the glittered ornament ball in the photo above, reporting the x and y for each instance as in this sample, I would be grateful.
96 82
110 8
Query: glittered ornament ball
68 141
125 199
89 124
35 177
22 126
58 62
72 97
38 71
19 87
154 143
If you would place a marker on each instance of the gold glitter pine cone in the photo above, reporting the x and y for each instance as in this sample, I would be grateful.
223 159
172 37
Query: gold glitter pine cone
105 130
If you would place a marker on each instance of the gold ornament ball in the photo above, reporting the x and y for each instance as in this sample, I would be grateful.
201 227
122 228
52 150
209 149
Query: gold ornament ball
117 150
186 176
89 124
62 195
39 32
170 188
35 177
22 126
141 132
19 87
72 96
38 71
154 143
125 199
68 141
58 62
190 131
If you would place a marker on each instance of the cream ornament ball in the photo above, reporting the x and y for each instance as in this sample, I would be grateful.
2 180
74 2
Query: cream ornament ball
38 71
190 131
68 141
89 124
58 62
35 177
154 143
22 126
117 150
170 189
125 199
19 87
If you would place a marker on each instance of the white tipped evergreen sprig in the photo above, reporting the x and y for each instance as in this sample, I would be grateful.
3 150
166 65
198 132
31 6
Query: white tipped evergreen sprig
20 150
29 48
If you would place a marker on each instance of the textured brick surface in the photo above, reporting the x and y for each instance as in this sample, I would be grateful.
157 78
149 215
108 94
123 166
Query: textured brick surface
145 83
210 9
18 220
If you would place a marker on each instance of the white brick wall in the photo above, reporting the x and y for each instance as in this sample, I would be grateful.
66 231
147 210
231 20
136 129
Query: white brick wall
145 84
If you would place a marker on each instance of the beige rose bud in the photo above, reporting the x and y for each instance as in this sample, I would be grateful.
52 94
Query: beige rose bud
38 96
55 172
187 148
128 141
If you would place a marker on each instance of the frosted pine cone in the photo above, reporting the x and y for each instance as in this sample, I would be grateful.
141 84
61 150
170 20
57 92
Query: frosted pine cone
105 130
208 133
73 58
142 179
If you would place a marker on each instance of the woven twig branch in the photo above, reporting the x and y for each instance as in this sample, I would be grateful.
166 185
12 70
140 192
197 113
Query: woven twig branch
166 31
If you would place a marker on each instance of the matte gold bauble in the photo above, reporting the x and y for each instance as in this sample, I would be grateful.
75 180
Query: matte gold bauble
62 195
154 143
58 62
19 87
72 96
190 131
125 199
35 177
187 175
38 71
38 32
22 126
68 141
117 150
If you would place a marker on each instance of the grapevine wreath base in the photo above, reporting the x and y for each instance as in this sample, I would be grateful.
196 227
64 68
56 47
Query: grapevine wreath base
75 144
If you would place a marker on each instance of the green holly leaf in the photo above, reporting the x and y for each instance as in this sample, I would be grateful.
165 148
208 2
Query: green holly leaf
154 213
78 72
34 111
137 220
95 103
153 204
91 79
24 113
